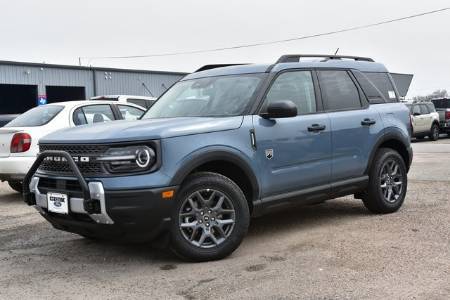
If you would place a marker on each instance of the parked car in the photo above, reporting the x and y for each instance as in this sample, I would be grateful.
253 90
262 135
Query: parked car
143 101
19 138
443 108
425 120
5 119
226 144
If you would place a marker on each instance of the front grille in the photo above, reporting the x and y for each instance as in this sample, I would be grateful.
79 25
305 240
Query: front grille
91 168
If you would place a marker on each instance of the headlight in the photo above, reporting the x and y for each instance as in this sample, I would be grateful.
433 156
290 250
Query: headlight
129 159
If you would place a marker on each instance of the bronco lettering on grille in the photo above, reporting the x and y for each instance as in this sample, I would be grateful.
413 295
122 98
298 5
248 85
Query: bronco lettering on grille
83 159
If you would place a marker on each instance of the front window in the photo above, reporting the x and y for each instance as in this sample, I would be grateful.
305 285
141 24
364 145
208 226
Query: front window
207 97
297 87
37 116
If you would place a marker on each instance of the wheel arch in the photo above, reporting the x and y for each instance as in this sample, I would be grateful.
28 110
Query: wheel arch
226 162
396 141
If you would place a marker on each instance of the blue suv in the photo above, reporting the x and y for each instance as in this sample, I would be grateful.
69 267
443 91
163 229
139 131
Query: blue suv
227 143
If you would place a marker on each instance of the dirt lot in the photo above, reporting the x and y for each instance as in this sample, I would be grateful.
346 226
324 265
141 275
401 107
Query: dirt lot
333 250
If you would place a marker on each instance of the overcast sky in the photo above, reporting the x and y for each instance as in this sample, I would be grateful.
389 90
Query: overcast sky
60 31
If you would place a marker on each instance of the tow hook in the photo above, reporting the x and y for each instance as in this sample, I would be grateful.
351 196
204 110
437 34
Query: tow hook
92 206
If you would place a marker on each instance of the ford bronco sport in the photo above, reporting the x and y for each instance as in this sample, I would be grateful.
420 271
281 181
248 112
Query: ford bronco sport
225 144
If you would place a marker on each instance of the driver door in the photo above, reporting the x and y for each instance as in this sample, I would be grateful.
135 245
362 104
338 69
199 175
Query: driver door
294 154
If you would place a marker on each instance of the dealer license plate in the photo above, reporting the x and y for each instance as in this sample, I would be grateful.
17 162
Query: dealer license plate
58 203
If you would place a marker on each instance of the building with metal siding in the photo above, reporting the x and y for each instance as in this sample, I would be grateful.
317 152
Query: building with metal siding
21 84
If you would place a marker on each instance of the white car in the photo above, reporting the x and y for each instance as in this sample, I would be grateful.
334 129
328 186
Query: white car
143 101
19 138
425 120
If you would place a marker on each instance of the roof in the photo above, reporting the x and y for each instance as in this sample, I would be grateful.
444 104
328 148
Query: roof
364 66
117 97
101 69
71 104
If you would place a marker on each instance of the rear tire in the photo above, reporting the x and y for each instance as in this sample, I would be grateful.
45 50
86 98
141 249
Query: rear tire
16 185
388 182
210 219
434 133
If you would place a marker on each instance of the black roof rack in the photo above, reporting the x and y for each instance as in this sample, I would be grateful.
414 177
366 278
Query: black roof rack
296 57
209 67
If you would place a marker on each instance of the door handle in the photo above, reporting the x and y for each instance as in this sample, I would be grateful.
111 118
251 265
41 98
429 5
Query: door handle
368 122
316 128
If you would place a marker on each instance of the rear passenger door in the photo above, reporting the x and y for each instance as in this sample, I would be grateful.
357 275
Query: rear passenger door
355 126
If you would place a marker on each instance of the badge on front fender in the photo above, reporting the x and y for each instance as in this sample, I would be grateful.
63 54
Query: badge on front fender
269 153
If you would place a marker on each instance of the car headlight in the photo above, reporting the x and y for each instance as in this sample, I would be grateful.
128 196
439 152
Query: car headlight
128 159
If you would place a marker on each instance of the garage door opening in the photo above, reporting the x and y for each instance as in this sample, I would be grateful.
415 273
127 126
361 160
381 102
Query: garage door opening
65 93
17 98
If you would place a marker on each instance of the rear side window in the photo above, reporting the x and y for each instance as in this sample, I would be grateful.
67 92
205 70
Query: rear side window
416 110
93 114
37 116
431 107
424 109
339 91
370 90
383 83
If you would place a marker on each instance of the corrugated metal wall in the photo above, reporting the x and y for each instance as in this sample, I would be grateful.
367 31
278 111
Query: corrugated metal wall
126 83
106 81
42 77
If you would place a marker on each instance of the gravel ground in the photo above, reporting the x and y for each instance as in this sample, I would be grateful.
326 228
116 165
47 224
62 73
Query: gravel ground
332 250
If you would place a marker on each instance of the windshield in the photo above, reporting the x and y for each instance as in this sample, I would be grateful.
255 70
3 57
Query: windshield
37 116
207 97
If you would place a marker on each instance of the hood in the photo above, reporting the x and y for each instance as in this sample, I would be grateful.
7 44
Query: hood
147 129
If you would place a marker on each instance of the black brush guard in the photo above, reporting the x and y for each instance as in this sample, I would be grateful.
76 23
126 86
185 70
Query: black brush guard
91 206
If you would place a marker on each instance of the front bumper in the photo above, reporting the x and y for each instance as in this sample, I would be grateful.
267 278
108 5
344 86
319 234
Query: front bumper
15 167
137 215
134 215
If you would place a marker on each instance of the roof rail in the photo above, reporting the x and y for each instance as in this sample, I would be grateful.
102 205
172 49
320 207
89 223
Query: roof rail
296 57
209 67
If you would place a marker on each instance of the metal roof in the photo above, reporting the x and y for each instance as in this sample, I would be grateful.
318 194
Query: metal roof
72 67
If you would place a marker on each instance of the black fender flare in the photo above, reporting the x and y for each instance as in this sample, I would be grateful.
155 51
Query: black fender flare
392 135
211 154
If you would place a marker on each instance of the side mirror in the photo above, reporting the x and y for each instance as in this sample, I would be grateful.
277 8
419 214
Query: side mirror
280 109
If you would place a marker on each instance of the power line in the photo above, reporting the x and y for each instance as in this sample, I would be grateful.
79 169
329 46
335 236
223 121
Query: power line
273 42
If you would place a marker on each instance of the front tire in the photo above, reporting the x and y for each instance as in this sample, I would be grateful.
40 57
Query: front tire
388 182
16 185
210 219
434 133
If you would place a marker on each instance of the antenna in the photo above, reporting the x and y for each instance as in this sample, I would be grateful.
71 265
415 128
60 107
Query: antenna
337 50
145 86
